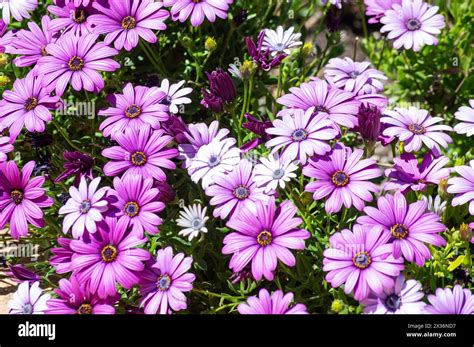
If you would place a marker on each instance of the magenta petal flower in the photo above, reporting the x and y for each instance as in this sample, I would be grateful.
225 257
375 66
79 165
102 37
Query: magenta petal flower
72 17
235 190
404 298
140 152
28 300
5 147
61 260
85 208
125 22
109 258
407 174
342 177
263 236
277 303
376 8
5 37
28 105
412 24
465 115
361 260
447 301
198 10
416 127
407 224
162 286
76 298
21 199
137 203
76 164
463 186
341 106
302 135
137 107
76 60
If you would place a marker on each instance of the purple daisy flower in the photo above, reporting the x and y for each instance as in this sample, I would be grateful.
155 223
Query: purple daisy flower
235 190
264 234
302 135
408 226
342 176
27 105
5 147
17 9
137 107
5 37
77 60
277 303
361 260
19 273
31 44
125 22
109 258
21 199
404 298
415 127
85 208
341 106
463 186
353 76
412 24
262 56
62 258
465 115
76 164
163 283
407 174
76 298
141 152
447 301
199 9
137 203
376 8
28 300
72 17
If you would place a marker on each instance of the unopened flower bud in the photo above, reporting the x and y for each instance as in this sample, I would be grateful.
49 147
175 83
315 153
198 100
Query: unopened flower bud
443 188
337 306
3 59
247 68
4 80
307 49
210 44
466 232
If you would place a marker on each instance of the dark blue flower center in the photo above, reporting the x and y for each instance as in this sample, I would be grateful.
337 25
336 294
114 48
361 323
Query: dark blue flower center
128 23
133 111
241 192
196 223
16 196
132 209
354 74
264 238
109 253
166 101
362 260
75 63
164 282
417 129
399 231
84 309
320 108
340 178
85 206
299 135
278 173
393 302
214 161
139 159
27 308
413 24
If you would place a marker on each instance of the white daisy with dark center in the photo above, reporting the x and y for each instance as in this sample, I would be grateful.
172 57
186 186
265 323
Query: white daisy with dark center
193 220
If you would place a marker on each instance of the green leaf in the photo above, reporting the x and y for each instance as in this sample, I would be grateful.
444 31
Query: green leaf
456 263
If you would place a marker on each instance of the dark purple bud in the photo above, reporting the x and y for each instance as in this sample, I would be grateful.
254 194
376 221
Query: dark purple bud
222 91
76 164
333 19
212 102
176 127
257 127
19 273
241 17
166 194
369 122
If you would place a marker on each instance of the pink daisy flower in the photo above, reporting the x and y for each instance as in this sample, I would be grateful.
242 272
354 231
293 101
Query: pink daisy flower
416 127
451 301
85 208
361 260
412 24
163 284
199 9
302 135
342 177
76 60
61 260
263 236
5 147
140 152
28 300
21 199
277 303
137 107
376 8
124 22
408 226
465 115
463 186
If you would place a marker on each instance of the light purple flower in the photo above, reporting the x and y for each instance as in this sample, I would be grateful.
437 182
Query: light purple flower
412 24
16 8
465 115
163 284
175 95
361 260
109 258
404 298
447 301
407 174
28 300
343 178
125 22
408 226
76 60
5 37
140 152
61 260
277 303
27 105
302 135
71 17
198 10
21 199
377 8
5 147
137 107
235 190
85 208
416 127
264 234
463 186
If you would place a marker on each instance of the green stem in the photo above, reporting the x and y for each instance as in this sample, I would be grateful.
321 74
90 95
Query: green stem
64 135
364 22
381 54
280 81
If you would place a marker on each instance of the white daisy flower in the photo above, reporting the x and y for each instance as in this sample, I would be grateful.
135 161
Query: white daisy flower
274 171
234 70
17 8
280 41
435 205
193 219
175 95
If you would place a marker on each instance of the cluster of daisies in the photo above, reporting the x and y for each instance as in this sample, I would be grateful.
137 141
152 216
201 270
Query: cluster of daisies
106 227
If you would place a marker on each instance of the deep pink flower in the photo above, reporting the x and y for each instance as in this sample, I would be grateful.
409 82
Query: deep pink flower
5 147
61 260
198 10
76 164
463 186
263 236
5 37
277 303
447 301
343 177
377 8
21 199
72 17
